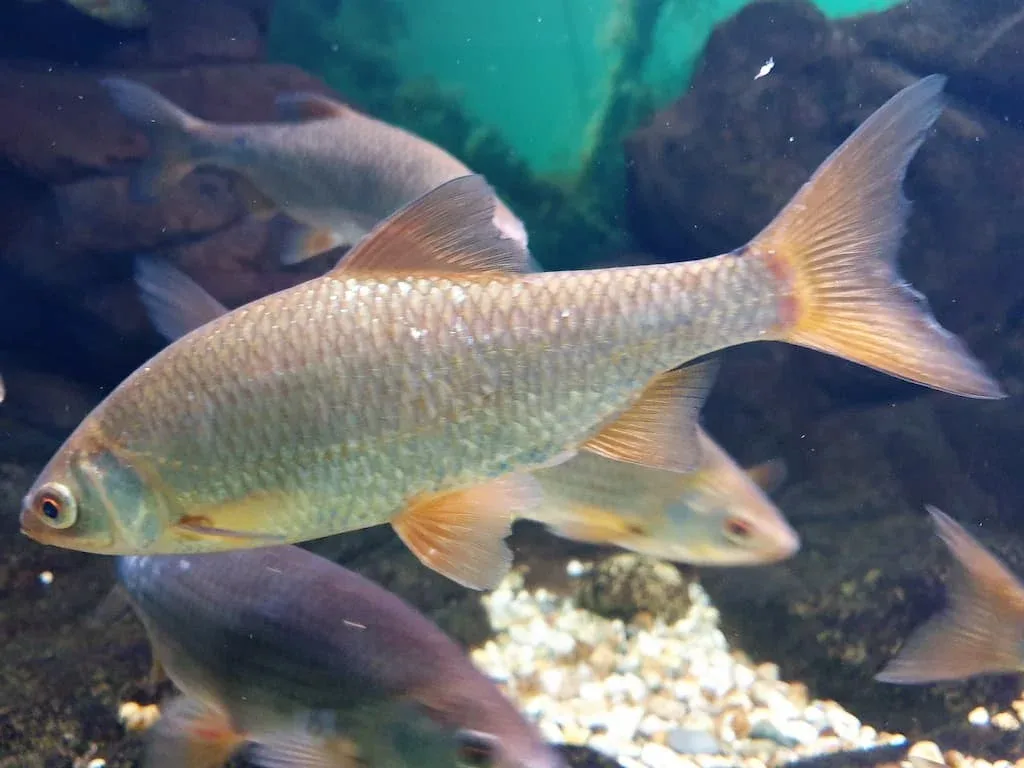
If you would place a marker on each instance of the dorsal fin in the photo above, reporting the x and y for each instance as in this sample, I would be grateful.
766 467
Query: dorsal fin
449 229
302 106
768 475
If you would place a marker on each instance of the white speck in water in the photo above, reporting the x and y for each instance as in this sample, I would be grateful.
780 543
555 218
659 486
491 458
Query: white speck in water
184 565
354 624
767 67
46 578
792 139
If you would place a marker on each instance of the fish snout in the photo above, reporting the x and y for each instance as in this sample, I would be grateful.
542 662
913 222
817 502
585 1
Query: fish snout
786 544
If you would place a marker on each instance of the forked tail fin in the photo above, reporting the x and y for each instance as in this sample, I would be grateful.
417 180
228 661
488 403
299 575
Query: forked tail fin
834 245
981 631
175 137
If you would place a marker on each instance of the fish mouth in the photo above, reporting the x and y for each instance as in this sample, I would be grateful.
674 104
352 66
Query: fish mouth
788 546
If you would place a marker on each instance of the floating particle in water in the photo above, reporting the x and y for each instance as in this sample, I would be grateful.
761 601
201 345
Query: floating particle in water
46 578
767 67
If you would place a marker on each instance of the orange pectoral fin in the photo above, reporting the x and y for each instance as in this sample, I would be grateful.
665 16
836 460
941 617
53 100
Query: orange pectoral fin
252 520
461 534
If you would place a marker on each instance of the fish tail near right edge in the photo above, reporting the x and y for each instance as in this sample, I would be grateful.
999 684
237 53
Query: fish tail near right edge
980 630
173 134
833 249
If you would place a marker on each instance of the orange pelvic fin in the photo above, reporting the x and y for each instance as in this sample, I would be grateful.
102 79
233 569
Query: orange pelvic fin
461 534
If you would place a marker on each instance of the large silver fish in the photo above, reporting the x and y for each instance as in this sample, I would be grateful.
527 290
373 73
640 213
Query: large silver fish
316 667
718 514
423 379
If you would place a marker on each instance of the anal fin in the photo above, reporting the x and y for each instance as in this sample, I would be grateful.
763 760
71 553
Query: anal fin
460 534
191 735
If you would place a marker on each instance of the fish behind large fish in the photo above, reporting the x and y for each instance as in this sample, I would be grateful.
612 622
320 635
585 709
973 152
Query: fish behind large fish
981 630
334 171
422 380
314 665
718 514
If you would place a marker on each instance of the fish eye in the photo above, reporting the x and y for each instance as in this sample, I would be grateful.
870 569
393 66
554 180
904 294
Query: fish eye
738 529
55 506
476 749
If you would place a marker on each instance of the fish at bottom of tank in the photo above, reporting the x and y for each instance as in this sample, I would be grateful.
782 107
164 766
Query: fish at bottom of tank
310 665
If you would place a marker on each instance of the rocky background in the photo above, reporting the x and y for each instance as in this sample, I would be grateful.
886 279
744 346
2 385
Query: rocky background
865 452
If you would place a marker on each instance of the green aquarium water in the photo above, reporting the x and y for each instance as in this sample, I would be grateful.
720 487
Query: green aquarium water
538 71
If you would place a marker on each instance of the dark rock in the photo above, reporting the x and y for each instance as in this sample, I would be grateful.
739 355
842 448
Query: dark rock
625 585
865 452
212 30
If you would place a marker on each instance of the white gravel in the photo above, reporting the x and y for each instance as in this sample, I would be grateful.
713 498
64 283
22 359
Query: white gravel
653 695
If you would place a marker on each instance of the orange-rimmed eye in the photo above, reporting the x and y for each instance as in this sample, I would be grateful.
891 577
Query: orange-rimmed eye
55 506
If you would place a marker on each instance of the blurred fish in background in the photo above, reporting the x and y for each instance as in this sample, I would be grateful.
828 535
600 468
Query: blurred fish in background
980 632
718 514
313 666
335 171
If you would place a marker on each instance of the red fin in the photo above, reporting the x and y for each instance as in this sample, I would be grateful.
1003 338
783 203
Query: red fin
300 107
449 229
980 632
191 735
833 248
461 534
660 429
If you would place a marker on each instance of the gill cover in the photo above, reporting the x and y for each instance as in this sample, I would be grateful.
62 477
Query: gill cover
112 490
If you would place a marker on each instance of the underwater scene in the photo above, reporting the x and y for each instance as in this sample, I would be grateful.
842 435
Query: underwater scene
535 384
